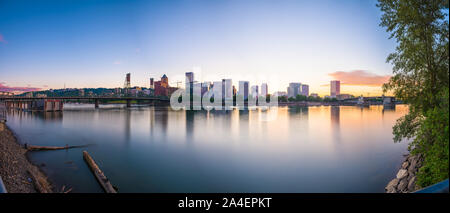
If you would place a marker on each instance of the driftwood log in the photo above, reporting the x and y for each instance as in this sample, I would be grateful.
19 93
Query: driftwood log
42 148
99 175
40 184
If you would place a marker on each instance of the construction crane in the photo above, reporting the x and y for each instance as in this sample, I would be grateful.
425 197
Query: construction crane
178 83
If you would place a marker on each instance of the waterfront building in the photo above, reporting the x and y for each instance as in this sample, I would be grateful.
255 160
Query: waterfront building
294 89
189 85
264 89
189 77
305 90
335 88
279 93
344 96
162 86
243 89
152 83
227 88
146 92
165 81
205 87
254 91
217 89
189 80
315 95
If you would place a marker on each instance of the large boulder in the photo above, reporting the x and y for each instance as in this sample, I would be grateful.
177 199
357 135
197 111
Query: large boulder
412 158
405 165
413 166
402 186
392 186
412 184
402 173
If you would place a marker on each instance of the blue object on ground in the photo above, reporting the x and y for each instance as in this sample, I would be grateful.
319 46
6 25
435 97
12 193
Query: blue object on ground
441 187
2 186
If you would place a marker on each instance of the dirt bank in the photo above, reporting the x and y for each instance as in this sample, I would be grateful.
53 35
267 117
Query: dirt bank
18 174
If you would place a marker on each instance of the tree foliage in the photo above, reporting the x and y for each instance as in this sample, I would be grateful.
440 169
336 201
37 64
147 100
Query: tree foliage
421 79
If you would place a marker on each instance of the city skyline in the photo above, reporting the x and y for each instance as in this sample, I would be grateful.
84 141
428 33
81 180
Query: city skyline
266 42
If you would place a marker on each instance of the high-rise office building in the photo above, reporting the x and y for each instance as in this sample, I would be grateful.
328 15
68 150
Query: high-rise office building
243 89
205 87
264 90
305 90
152 83
217 89
189 77
294 89
227 88
254 91
335 88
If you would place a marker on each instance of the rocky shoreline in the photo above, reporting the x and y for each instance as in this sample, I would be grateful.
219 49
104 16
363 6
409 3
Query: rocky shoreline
16 171
405 180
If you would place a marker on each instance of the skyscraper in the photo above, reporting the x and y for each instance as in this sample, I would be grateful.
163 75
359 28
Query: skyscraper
255 91
294 89
127 84
152 83
335 88
227 88
264 89
305 90
205 87
243 89
217 90
189 77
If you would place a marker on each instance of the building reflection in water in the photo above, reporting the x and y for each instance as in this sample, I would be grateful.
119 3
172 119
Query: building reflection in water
335 112
127 126
190 114
50 116
388 108
298 118
162 117
151 120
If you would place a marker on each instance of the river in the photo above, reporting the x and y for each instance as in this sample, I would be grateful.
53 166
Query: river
156 149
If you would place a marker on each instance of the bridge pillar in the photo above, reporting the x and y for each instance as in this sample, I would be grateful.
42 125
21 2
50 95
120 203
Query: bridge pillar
96 103
128 103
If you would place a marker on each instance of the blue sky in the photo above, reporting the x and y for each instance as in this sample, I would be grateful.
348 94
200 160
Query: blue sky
47 44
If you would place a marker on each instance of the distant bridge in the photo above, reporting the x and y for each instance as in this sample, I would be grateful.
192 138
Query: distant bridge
18 101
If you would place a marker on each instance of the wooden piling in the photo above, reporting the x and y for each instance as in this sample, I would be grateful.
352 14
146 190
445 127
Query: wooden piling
99 175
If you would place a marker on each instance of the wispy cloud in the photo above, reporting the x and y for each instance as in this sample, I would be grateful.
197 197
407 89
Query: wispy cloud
360 78
117 62
2 39
5 88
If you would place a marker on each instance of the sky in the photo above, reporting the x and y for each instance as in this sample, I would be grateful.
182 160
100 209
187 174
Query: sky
87 43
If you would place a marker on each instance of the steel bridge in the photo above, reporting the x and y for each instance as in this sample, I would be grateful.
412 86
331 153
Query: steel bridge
95 99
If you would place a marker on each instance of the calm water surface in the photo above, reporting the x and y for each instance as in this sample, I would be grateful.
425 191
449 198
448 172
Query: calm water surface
155 149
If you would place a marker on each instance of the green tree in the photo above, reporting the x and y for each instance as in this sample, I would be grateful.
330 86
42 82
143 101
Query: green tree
421 79
282 98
